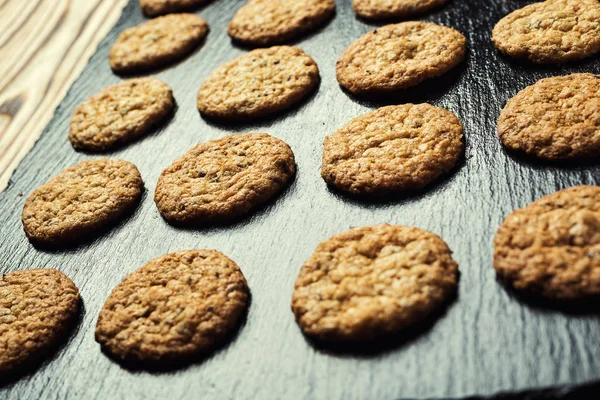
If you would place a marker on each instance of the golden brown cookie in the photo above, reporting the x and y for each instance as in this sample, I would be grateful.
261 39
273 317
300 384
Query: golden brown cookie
373 281
157 43
552 31
269 22
224 179
399 56
154 8
120 113
555 119
551 247
384 9
37 309
173 309
393 149
259 83
81 200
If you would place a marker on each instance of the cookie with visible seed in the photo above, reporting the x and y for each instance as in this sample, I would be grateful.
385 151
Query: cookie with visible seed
157 43
550 32
384 9
392 149
398 56
173 309
37 309
551 248
259 83
554 119
154 8
81 201
224 179
120 114
371 282
269 22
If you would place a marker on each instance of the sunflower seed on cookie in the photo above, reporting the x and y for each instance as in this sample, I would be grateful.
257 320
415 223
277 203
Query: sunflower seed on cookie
268 22
259 83
224 179
550 32
173 309
551 248
120 113
37 309
154 8
385 9
372 282
81 200
554 119
399 56
392 149
157 43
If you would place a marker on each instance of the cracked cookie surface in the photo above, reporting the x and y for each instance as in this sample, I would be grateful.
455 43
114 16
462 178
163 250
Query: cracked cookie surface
37 308
552 31
120 114
552 247
174 308
81 200
154 8
259 83
224 179
373 281
399 56
157 43
383 9
269 22
556 118
392 149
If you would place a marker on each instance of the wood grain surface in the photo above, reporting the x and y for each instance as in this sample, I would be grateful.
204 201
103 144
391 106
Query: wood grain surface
487 341
44 46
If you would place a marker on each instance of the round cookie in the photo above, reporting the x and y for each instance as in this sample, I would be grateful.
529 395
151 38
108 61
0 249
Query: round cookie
259 83
120 113
224 179
157 43
384 9
154 8
552 31
551 248
174 308
373 281
392 149
555 119
399 56
269 22
37 309
81 200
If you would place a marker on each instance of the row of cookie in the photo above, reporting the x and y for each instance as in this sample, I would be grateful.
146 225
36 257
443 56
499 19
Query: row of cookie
359 285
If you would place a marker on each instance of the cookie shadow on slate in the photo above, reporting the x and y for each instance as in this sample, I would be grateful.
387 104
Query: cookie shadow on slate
588 306
394 199
234 125
297 41
156 129
519 66
530 161
47 358
260 212
145 72
427 16
174 366
427 91
388 343
88 240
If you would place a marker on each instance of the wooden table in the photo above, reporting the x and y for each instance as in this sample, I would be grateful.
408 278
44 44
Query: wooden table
44 45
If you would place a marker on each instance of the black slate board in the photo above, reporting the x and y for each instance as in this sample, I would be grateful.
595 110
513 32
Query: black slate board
487 342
